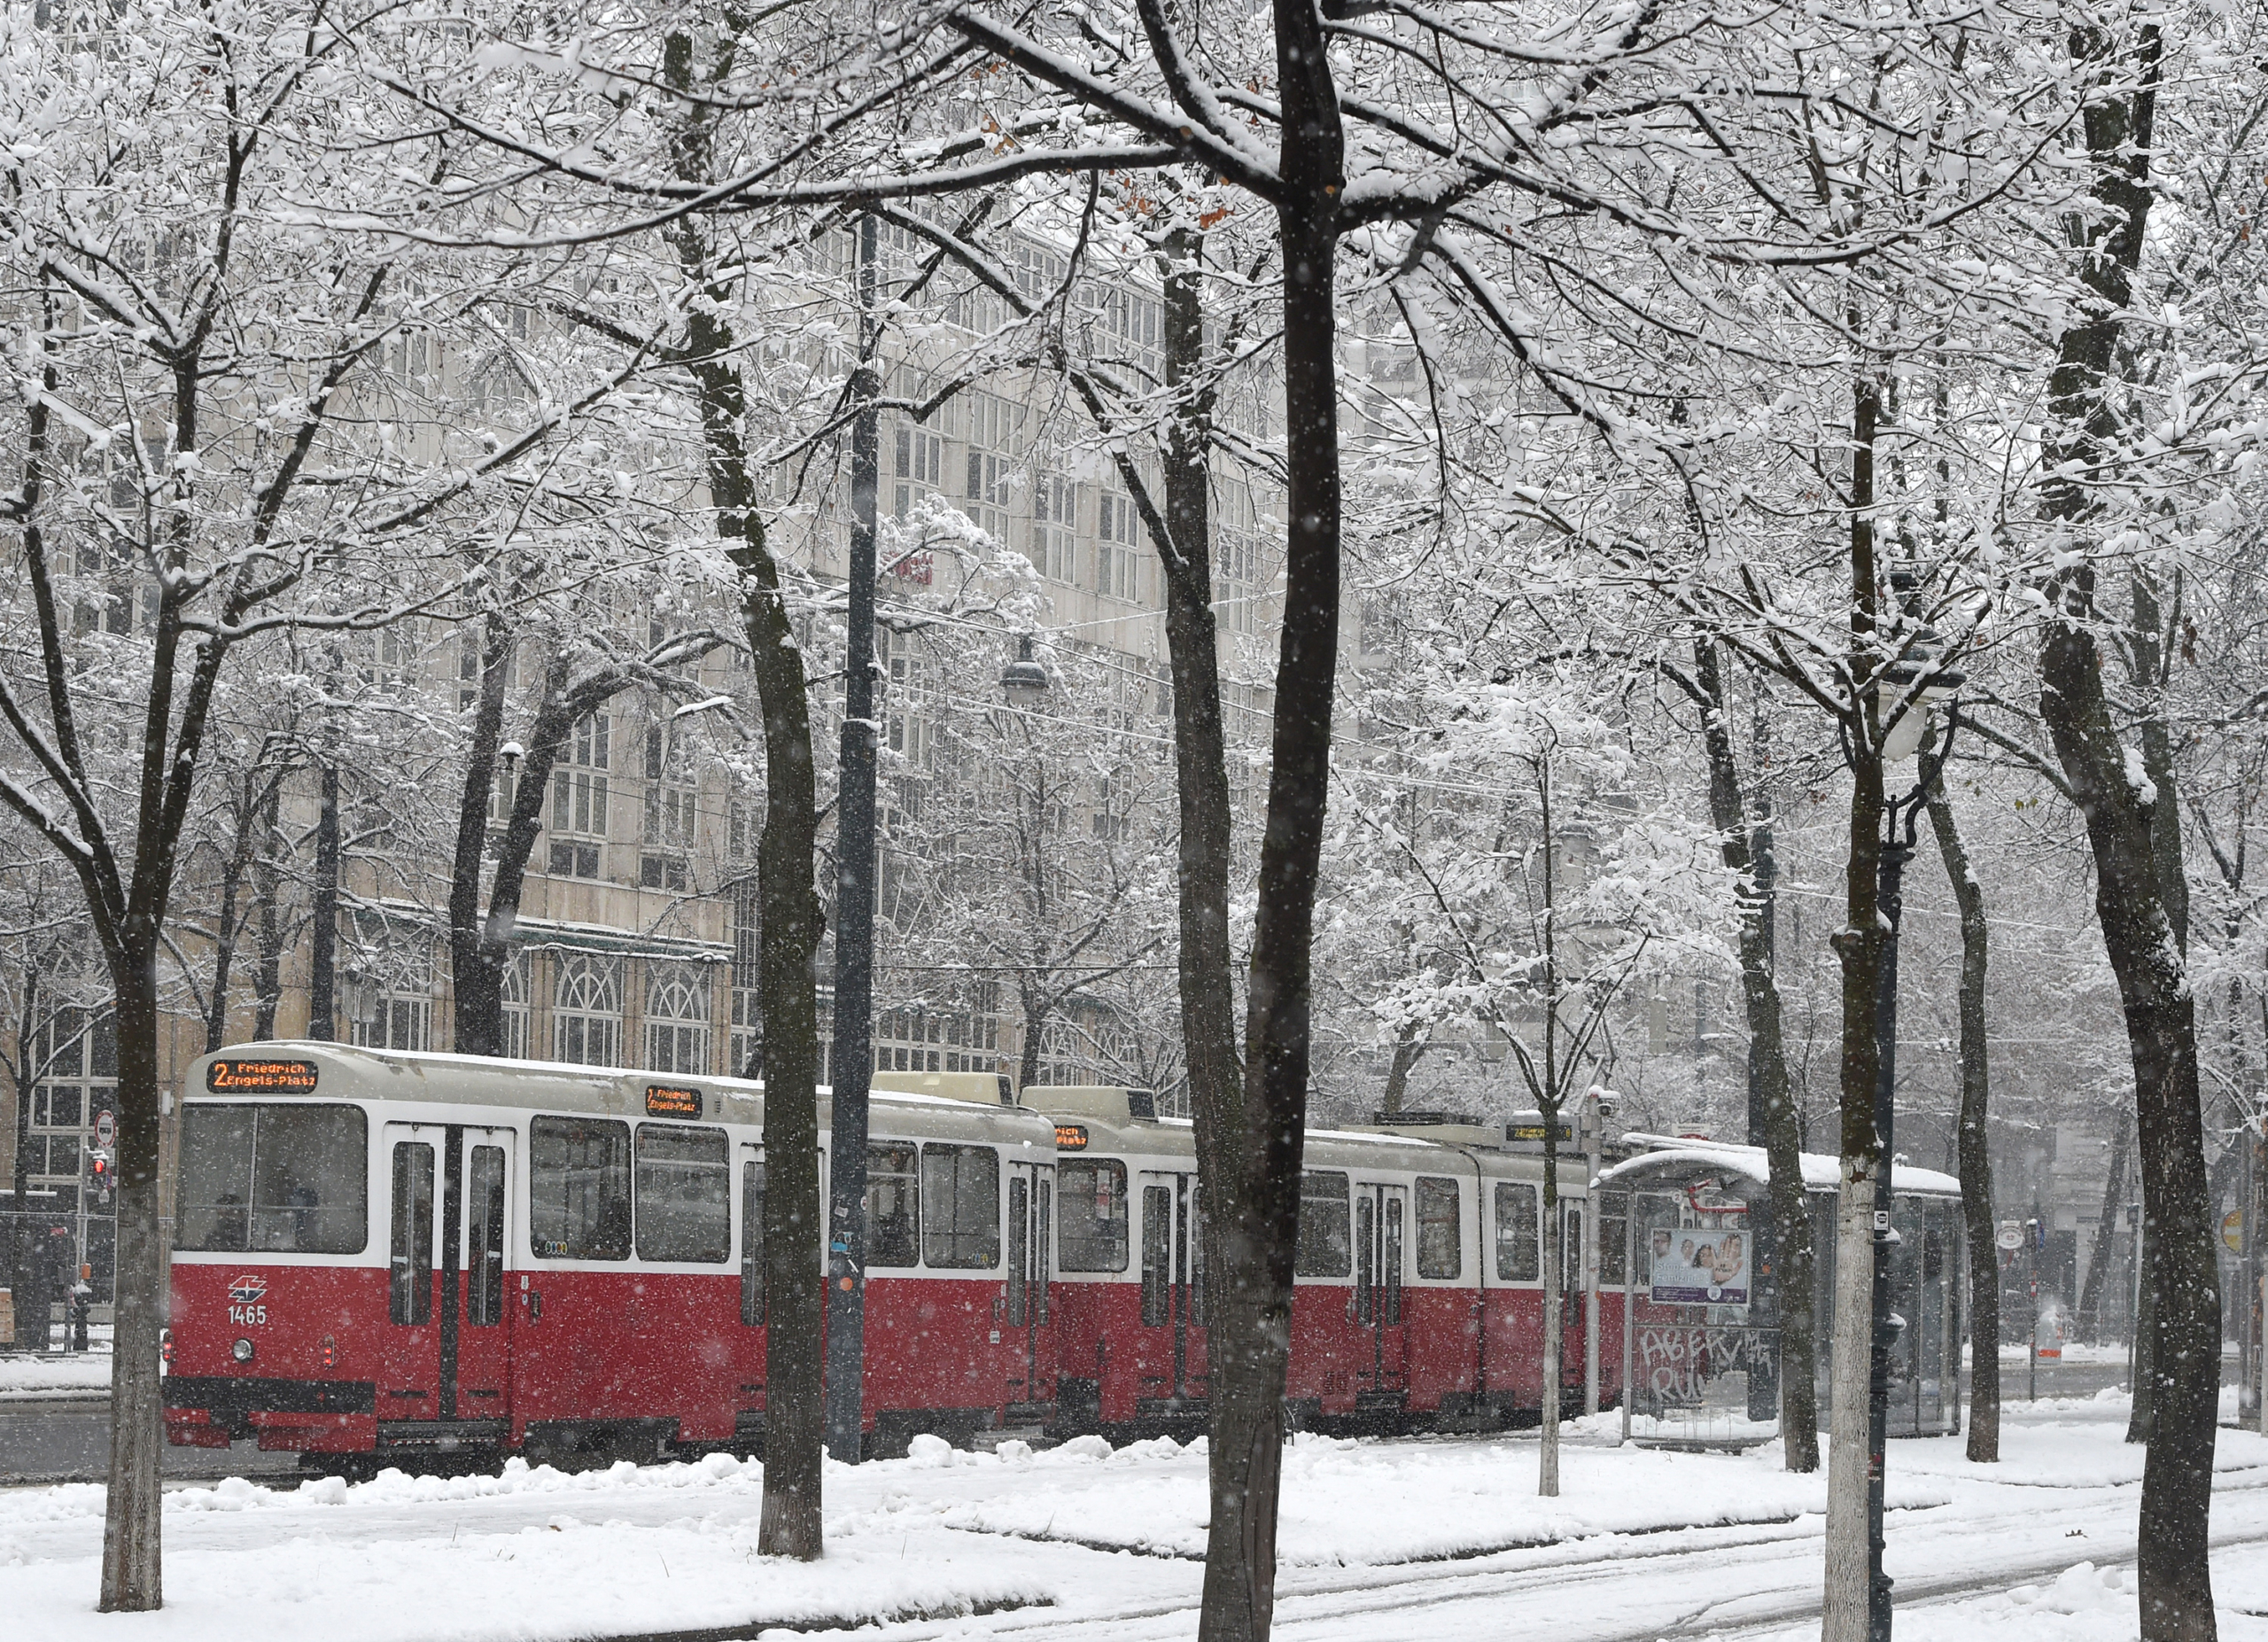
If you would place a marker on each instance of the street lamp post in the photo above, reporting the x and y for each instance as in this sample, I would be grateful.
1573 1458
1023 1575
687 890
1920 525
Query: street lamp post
852 1071
1902 819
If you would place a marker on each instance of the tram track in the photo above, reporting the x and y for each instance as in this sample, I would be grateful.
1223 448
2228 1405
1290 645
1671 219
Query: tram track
1325 1607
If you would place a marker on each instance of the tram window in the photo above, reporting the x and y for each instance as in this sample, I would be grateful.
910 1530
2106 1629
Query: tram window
960 1207
1093 1238
892 1203
285 1179
1043 1241
1518 1257
483 1298
1366 1245
1019 1249
1325 1246
1390 1261
1441 1248
1613 1239
409 1288
752 1245
1196 1262
1157 1252
579 1188
685 1187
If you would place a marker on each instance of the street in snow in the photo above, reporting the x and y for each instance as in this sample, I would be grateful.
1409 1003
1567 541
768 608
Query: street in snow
1442 1537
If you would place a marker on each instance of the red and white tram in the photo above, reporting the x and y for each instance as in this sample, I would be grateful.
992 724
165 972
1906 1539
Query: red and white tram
1418 1285
387 1253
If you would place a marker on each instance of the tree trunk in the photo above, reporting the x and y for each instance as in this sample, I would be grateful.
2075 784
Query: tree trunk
1787 1214
795 1416
2139 911
1408 1045
1259 1193
476 959
2109 1243
1546 1470
225 921
1243 1452
268 978
132 1574
322 979
2145 1329
1034 1023
1975 1150
1860 944
2180 1280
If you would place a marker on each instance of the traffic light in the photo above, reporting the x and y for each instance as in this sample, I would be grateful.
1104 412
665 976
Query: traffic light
98 1172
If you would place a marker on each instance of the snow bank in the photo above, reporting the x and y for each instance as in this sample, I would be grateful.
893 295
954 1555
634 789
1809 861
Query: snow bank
1348 1503
46 1375
569 1578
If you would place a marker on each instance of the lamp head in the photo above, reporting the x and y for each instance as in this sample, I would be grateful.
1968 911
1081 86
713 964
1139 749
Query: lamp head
1025 680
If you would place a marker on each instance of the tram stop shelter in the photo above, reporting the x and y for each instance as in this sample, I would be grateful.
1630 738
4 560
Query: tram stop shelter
1701 1326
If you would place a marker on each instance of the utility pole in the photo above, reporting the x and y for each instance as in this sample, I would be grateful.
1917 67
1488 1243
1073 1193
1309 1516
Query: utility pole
1594 1111
2255 1266
2031 1309
323 939
854 912
1890 901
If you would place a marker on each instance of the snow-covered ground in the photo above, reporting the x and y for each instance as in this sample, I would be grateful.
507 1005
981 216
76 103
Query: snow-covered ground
48 1374
1439 1538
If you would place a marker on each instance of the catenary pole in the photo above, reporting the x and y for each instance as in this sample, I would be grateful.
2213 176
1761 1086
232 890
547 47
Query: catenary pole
1901 823
854 912
1896 853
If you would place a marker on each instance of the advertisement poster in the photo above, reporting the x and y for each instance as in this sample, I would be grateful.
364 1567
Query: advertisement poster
1696 1265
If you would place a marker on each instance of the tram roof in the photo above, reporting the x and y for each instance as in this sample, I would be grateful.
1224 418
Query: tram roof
1662 1154
349 1073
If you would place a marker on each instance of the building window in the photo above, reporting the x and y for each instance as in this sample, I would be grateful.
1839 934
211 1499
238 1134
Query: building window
1130 327
1236 561
391 658
587 1008
1055 520
1118 570
748 1015
578 801
677 1017
1038 272
393 1004
921 467
995 430
515 1007
664 862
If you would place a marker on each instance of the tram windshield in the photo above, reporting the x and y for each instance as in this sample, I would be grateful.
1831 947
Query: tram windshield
284 1179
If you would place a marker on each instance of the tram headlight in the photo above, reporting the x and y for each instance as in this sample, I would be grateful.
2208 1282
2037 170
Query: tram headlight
241 1350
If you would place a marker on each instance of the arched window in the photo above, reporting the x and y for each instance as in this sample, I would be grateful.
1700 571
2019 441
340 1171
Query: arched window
677 1016
587 1008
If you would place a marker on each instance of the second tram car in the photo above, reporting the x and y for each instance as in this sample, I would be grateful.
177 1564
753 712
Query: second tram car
1419 1286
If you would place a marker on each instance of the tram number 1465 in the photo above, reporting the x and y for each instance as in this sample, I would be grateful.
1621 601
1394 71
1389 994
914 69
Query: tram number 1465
248 1316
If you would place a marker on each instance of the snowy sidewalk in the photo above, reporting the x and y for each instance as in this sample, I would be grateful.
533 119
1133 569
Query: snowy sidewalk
1082 1541
75 1373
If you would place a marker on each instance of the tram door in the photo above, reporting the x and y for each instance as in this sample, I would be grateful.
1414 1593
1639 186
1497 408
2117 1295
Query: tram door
445 1353
1023 1310
1171 1347
1574 1314
1381 1240
482 1374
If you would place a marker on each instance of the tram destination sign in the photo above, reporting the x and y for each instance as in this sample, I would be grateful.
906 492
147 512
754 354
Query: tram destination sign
667 1101
1070 1137
1532 1133
237 1075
